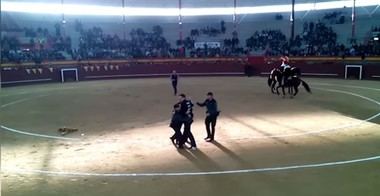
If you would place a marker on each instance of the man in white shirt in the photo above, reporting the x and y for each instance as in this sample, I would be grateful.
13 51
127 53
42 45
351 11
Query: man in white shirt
285 63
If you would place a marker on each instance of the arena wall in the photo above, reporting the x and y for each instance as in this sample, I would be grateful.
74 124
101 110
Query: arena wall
319 66
260 66
28 73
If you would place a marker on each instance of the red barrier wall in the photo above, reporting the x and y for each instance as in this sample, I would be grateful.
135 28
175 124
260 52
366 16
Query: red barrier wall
13 75
51 71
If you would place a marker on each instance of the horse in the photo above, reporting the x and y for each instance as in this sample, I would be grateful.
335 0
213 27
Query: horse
293 83
289 78
274 77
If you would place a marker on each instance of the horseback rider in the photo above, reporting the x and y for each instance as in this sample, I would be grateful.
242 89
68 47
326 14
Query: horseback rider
285 63
286 77
285 69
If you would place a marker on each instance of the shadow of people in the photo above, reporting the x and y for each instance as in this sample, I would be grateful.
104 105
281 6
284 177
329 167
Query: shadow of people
200 160
264 133
230 153
323 138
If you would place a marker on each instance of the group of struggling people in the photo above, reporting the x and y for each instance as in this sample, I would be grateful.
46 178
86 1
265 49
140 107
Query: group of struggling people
183 116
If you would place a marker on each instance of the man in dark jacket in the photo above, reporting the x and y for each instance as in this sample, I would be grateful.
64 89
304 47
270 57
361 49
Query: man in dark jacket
212 114
174 79
186 111
176 124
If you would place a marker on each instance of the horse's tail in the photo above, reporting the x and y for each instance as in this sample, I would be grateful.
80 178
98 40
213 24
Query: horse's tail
306 86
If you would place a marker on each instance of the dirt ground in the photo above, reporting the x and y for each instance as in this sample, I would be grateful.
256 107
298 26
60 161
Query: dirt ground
123 129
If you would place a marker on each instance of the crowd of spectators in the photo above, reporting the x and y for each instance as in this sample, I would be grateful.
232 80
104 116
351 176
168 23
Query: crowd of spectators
335 17
226 48
376 29
216 52
209 31
40 45
95 44
272 42
320 40
316 39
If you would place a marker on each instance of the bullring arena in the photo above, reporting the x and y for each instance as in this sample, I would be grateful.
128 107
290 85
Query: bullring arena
122 143
326 142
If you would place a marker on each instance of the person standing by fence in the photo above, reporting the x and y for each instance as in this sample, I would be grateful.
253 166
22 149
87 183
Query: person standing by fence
174 80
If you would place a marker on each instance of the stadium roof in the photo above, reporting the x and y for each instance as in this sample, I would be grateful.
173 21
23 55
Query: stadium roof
170 7
174 3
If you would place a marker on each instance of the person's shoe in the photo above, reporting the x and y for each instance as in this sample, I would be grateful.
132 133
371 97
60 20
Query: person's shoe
206 138
192 148
173 140
209 140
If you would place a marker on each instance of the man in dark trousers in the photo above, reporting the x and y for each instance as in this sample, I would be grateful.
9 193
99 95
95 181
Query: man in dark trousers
176 124
212 114
174 79
186 111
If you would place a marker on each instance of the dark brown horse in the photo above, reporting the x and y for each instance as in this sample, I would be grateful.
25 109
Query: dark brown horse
289 78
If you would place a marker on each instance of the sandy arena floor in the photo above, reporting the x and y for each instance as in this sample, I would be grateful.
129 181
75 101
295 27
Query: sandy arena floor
124 134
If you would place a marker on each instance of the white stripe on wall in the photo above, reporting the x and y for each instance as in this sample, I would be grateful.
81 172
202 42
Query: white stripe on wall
181 74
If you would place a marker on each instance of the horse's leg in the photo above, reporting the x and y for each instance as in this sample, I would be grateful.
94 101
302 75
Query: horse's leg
296 90
290 89
273 86
283 91
278 92
293 93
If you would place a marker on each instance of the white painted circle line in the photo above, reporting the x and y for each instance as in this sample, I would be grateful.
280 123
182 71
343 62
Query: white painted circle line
348 86
241 171
269 169
254 137
37 91
37 135
2 127
21 100
19 93
350 125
